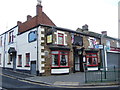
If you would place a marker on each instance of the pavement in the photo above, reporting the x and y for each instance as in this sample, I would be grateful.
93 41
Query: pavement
73 79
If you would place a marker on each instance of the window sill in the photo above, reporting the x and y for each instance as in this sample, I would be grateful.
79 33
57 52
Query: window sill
92 65
19 66
60 67
10 43
27 65
9 63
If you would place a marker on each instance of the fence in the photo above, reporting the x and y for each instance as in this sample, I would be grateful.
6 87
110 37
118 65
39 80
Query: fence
103 75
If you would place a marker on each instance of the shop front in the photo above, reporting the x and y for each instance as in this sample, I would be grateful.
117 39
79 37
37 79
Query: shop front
91 60
60 60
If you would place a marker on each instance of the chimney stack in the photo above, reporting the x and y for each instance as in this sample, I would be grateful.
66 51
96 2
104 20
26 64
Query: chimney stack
104 33
39 8
29 17
85 27
19 23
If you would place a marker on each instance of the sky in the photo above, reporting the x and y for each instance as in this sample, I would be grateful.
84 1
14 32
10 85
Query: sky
99 15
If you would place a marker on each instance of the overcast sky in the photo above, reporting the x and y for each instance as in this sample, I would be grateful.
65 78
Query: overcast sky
100 15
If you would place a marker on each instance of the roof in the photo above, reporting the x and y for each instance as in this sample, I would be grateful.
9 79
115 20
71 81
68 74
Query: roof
90 33
43 19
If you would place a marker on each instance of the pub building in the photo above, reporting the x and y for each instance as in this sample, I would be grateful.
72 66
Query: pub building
70 51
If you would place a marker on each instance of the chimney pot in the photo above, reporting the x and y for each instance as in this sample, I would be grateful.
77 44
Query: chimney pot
85 27
29 17
104 33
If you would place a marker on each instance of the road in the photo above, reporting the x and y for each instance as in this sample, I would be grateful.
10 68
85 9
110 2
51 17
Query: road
10 82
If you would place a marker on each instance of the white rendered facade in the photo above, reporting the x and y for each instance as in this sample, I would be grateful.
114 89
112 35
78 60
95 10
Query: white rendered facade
23 46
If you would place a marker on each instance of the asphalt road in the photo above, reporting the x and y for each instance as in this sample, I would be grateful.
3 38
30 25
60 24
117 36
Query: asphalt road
9 83
12 83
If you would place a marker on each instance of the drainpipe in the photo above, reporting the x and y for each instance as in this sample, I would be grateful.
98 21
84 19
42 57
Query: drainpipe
4 51
37 71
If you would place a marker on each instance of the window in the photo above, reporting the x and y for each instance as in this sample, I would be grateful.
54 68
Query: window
1 41
49 38
60 59
92 59
78 40
19 60
11 37
0 59
27 59
60 39
32 36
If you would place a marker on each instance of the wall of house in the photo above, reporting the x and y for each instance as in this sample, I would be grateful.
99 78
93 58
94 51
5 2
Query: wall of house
48 59
8 45
41 51
2 49
113 43
24 46
112 51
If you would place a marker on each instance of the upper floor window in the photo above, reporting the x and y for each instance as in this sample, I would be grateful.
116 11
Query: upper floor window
1 41
11 37
49 38
60 39
32 36
78 40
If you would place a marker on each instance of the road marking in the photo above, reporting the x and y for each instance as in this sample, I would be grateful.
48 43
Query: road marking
8 76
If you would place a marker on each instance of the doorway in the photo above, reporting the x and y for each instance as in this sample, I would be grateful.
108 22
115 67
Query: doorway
33 67
79 63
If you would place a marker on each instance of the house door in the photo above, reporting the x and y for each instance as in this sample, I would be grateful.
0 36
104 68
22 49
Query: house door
33 67
77 63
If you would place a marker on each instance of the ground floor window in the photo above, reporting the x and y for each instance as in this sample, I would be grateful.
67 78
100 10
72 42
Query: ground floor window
60 59
27 59
92 59
19 60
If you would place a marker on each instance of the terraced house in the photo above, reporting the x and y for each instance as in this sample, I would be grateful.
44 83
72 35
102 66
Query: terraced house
39 47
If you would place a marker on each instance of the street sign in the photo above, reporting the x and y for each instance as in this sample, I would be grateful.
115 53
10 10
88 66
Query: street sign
99 46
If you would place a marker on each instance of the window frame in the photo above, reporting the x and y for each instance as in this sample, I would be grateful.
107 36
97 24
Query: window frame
27 60
49 38
87 57
61 35
59 54
35 32
1 41
11 37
